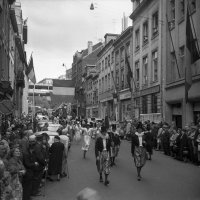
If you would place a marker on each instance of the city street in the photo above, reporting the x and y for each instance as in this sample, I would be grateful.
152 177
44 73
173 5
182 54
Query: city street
163 178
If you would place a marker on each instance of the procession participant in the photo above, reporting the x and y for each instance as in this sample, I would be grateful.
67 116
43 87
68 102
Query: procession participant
112 148
87 132
55 159
102 153
138 149
149 141
166 139
77 130
65 140
117 142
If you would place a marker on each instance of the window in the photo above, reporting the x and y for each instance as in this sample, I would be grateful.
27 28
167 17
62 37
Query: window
137 39
192 5
99 86
106 63
173 65
108 60
112 57
182 8
117 78
155 24
112 81
155 65
106 86
137 74
117 57
109 81
102 85
102 65
172 9
137 102
144 104
145 32
122 79
128 49
154 103
182 55
122 54
145 70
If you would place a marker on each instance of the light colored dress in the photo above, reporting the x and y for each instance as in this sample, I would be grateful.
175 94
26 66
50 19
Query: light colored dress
87 138
77 136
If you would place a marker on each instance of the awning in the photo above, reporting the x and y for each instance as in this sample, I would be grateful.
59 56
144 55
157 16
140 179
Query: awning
6 107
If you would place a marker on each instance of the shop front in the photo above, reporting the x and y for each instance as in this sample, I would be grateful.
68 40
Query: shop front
125 106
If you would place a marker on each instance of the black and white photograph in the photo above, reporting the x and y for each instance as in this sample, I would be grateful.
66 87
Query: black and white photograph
99 100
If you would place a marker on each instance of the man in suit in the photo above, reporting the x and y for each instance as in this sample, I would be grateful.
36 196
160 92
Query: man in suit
55 158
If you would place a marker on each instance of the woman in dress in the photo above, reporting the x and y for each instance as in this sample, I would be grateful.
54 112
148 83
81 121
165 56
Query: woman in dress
102 153
17 170
77 130
87 133
138 149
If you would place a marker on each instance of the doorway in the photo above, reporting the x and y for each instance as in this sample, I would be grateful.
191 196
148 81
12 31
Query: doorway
178 120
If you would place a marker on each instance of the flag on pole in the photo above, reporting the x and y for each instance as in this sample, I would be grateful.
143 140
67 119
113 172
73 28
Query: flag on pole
192 55
30 71
129 71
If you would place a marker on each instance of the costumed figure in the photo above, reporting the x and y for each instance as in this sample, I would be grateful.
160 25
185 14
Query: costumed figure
77 130
87 132
102 153
138 149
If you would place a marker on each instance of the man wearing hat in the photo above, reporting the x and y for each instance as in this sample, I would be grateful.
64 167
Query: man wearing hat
55 159
40 157
31 165
102 153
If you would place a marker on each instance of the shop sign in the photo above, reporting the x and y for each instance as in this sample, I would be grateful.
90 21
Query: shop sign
125 96
152 117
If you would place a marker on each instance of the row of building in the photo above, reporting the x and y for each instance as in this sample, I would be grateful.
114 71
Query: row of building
13 61
155 48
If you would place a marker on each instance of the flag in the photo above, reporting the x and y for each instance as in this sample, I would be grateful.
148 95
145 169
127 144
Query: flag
192 55
129 71
30 71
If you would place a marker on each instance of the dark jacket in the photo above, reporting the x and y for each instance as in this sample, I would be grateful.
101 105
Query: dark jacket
135 142
99 145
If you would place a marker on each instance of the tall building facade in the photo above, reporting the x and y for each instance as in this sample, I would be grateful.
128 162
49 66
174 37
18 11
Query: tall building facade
176 108
122 51
82 59
106 81
91 91
149 59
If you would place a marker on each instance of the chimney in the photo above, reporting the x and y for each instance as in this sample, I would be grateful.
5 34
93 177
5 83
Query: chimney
90 47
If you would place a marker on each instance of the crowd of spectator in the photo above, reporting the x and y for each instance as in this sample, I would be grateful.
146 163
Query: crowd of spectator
180 143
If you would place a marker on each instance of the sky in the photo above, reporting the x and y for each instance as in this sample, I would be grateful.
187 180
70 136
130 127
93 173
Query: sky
59 28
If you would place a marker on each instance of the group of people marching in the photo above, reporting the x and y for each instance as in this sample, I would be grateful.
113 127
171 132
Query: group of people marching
27 159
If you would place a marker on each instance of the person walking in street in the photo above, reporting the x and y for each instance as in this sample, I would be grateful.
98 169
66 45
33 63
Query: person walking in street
149 141
138 149
87 133
102 153
55 159
166 139
77 130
